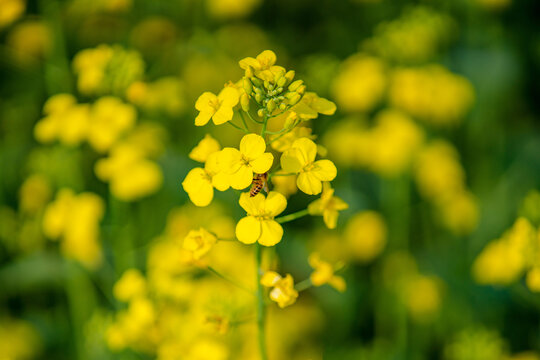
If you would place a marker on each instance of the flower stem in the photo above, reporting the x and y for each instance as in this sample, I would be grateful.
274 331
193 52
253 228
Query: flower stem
228 279
244 121
303 285
260 303
291 217
263 130
236 126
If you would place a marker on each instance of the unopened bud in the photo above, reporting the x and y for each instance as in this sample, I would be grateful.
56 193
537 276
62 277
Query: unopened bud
258 97
282 106
289 76
301 89
249 72
271 106
294 98
281 82
291 120
295 85
244 102
256 82
260 112
248 87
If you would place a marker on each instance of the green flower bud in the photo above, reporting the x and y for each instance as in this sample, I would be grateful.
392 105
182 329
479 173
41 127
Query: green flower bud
260 112
258 97
248 87
301 89
289 76
244 102
282 106
294 98
271 106
281 82
256 82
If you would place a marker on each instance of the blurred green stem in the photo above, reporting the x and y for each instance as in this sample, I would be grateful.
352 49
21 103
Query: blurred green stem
260 303
228 279
303 285
121 235
293 216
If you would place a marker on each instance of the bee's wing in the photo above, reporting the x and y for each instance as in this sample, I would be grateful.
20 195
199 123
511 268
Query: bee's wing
265 186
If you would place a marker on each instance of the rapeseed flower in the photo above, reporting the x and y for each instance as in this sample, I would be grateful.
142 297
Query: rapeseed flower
365 235
241 164
218 108
207 146
262 66
300 159
324 273
283 292
199 242
131 285
328 206
200 182
259 224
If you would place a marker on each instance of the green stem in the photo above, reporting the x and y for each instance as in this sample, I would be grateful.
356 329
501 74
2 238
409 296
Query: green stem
236 126
265 122
303 285
291 217
260 303
252 119
283 174
228 279
243 121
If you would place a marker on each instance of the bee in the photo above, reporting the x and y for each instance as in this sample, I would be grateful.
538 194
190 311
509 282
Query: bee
259 183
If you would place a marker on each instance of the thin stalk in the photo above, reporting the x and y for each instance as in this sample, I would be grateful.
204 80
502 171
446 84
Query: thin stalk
236 126
260 304
283 174
303 285
291 217
252 119
228 279
265 122
243 121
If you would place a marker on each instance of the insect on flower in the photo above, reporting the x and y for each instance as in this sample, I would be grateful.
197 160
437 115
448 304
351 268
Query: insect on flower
259 183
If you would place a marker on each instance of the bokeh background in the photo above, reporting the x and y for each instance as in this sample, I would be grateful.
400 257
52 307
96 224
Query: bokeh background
436 139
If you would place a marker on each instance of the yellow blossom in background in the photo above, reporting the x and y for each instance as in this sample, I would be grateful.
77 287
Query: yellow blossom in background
459 212
432 94
165 94
74 219
207 349
107 70
110 118
131 285
130 174
31 41
226 9
259 224
218 108
324 273
19 339
199 242
241 164
533 279
422 296
475 343
284 142
365 236
11 11
204 149
148 137
328 206
65 121
34 194
285 185
390 146
349 142
312 105
282 291
200 182
360 83
300 159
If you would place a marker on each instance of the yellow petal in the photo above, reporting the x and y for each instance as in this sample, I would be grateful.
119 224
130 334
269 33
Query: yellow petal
223 115
221 181
309 184
208 145
324 170
271 233
292 161
262 164
324 106
316 207
249 61
252 205
248 230
203 118
270 278
330 218
205 101
267 58
252 146
229 160
308 149
275 203
338 283
228 97
198 187
242 178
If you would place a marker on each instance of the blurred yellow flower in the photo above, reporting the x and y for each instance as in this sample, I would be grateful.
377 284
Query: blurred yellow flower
328 206
19 339
199 242
219 108
228 9
284 142
324 273
110 118
241 164
34 194
259 224
204 148
75 219
11 11
283 291
365 235
30 40
131 285
459 212
130 175
360 83
300 159
533 279
312 105
423 297
285 185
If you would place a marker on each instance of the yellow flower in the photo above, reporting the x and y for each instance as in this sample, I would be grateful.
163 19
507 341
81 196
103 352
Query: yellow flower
262 66
34 193
328 206
533 279
131 176
300 159
260 225
365 235
11 11
75 219
131 285
204 148
110 118
199 242
324 273
422 295
200 183
241 164
283 291
285 185
284 142
312 105
219 108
